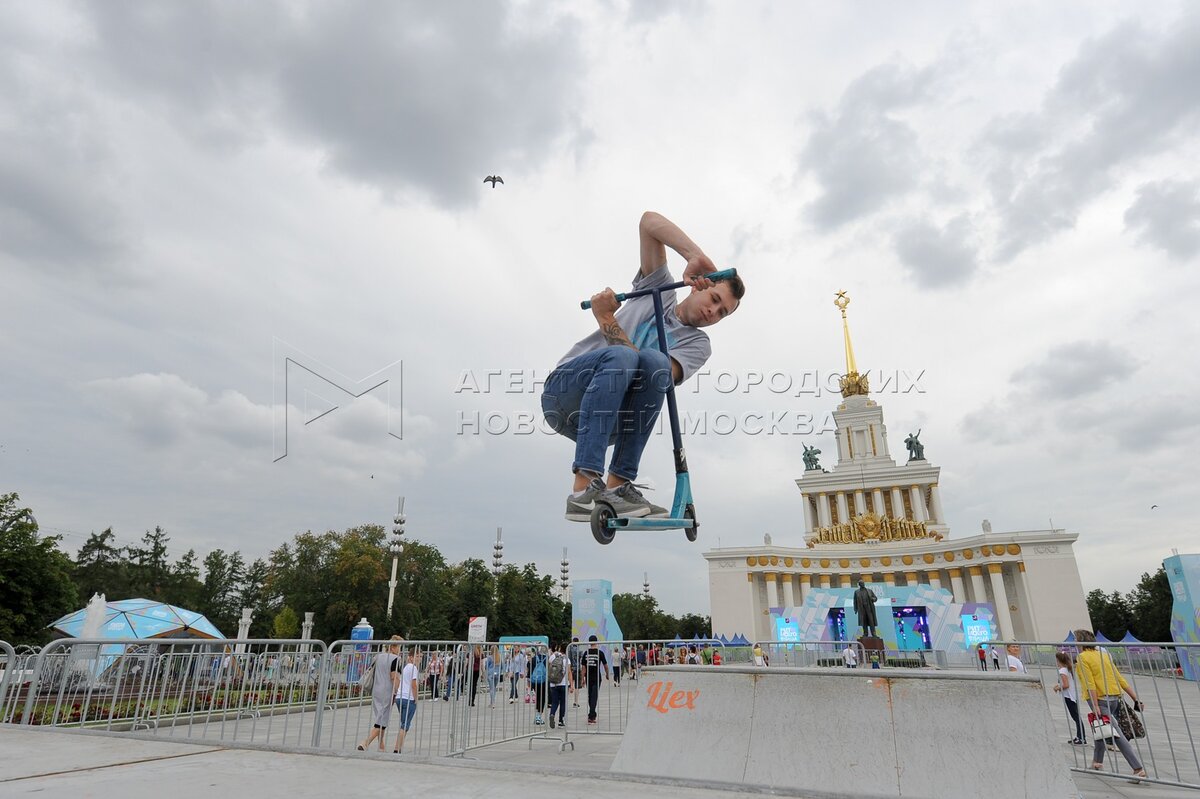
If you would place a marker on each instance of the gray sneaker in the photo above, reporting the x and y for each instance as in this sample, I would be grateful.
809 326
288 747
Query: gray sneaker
579 509
629 503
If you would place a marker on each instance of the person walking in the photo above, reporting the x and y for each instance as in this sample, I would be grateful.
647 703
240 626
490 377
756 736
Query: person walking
593 661
537 681
1070 695
476 670
982 657
491 668
575 655
616 666
406 699
516 670
435 673
1102 683
384 685
995 658
558 675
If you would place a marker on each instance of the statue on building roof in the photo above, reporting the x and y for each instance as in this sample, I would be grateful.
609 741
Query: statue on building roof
916 450
767 539
810 458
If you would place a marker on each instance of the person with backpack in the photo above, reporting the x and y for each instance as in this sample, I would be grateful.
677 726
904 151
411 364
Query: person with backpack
537 681
558 672
593 661
574 654
693 657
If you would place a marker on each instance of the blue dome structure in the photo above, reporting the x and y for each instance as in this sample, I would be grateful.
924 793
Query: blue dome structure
141 618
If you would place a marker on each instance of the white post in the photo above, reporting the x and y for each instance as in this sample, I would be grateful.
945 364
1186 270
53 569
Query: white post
306 630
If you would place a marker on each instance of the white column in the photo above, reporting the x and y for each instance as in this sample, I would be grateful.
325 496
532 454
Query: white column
244 629
935 499
877 502
933 577
772 589
789 595
823 515
805 586
918 504
977 587
1031 625
808 514
843 508
897 504
1001 596
860 502
956 586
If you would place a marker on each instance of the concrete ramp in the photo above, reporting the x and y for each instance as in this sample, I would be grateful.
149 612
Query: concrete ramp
844 732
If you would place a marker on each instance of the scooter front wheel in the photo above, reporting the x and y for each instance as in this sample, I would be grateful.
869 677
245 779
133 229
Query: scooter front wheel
601 514
690 513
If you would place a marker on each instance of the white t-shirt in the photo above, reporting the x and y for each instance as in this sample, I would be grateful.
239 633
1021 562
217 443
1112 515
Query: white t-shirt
1015 664
849 656
1069 692
406 681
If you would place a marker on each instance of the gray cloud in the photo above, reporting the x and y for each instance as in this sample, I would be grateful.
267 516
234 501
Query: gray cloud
411 97
862 156
1076 369
56 177
1166 215
938 257
1125 95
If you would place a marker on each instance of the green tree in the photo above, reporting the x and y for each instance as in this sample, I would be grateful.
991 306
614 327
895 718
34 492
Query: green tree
1110 613
1150 607
35 577
285 624
101 567
151 571
253 594
220 591
472 587
186 588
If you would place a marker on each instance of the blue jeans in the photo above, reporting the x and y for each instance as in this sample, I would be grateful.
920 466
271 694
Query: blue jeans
408 709
610 396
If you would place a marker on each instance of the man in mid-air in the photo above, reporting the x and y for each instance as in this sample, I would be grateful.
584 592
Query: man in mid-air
609 388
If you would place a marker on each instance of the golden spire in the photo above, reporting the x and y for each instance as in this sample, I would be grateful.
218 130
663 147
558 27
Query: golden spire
852 382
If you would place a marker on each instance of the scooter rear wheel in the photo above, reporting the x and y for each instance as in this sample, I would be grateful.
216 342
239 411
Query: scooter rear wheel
690 513
600 518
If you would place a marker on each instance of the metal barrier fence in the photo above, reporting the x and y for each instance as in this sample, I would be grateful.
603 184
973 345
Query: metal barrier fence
266 691
8 660
1167 748
807 654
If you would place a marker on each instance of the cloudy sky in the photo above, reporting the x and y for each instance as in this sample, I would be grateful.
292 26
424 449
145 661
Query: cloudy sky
195 195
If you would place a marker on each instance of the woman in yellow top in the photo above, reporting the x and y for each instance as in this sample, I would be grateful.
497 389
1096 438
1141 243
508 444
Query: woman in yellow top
1102 684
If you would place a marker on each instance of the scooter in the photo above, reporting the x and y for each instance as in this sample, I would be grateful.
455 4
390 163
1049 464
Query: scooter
604 521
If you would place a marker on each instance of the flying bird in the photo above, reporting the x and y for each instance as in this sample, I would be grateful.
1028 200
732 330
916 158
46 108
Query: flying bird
1152 507
493 179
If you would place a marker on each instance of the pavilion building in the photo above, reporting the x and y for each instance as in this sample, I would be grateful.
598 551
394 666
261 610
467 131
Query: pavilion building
871 519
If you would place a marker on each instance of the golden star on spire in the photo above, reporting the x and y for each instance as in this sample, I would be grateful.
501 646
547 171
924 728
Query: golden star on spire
852 382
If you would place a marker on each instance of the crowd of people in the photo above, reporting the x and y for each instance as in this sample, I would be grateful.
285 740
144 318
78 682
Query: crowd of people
539 674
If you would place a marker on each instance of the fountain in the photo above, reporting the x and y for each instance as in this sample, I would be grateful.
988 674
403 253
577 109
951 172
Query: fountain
87 657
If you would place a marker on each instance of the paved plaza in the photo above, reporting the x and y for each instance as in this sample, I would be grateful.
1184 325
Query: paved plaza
53 763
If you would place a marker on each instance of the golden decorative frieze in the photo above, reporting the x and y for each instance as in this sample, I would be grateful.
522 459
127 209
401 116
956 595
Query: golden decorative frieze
872 527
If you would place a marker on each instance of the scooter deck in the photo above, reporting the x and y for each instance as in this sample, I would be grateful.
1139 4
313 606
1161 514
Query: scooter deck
649 524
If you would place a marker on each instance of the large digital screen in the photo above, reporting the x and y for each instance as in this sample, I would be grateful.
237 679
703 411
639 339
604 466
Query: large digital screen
975 630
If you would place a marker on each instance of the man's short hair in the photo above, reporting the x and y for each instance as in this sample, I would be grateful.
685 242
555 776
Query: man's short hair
737 287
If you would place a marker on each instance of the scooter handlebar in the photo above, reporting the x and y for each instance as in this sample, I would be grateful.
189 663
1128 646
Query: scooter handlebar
724 274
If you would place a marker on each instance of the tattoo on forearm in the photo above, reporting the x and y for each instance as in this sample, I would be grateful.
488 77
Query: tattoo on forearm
614 335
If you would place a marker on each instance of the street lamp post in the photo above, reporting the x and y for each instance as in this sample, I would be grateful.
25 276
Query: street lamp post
396 546
565 571
498 554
